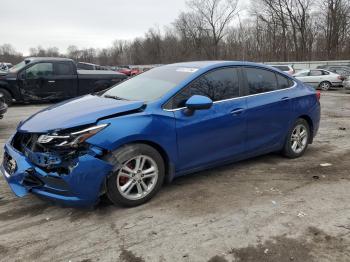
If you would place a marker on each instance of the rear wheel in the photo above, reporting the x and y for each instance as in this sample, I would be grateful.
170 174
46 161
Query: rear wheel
137 176
325 85
7 96
297 140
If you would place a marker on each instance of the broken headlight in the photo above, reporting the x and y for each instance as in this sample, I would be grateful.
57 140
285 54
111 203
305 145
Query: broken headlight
73 139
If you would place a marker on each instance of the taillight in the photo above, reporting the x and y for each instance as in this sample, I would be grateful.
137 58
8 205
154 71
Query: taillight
318 95
342 78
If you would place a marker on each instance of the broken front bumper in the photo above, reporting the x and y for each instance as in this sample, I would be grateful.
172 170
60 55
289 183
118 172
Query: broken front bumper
81 187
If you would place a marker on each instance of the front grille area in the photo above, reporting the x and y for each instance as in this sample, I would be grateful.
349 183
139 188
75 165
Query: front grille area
31 180
48 157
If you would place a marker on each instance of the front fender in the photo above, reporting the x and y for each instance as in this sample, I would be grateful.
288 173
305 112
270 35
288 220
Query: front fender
156 129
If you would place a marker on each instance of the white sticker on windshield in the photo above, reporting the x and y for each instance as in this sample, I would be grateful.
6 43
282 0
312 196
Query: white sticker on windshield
186 70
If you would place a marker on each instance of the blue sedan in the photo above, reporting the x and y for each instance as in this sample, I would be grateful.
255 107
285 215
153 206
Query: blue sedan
171 121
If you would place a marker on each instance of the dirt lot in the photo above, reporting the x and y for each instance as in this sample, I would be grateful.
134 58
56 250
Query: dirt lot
264 209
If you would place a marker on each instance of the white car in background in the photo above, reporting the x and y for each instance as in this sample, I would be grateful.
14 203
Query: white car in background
5 66
320 78
285 68
346 84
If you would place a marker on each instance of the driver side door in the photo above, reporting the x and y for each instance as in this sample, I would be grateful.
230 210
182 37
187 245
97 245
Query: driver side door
38 82
211 135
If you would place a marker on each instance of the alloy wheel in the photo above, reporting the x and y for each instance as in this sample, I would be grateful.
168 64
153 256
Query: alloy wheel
325 86
137 177
299 139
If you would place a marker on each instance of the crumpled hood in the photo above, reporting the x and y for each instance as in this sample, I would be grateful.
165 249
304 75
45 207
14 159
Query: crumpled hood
76 112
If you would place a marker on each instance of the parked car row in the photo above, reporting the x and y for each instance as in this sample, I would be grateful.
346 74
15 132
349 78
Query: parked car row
324 77
320 78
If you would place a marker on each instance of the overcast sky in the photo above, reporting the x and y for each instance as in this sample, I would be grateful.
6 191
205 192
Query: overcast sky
85 23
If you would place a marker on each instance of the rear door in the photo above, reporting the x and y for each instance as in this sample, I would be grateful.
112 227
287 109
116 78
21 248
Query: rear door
66 80
215 134
269 109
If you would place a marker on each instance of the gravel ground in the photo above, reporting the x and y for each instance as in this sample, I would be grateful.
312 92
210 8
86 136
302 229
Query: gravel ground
264 209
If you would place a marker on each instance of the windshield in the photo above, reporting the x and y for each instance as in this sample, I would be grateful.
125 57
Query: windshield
17 67
150 85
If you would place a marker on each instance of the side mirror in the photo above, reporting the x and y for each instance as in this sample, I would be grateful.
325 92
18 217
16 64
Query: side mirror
198 102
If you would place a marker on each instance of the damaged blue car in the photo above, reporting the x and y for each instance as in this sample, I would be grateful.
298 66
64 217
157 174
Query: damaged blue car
127 141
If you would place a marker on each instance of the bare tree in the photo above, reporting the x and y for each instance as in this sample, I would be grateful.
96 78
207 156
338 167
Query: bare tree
9 54
216 16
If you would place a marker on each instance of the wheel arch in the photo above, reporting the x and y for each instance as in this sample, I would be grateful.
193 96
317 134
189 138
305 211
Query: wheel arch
311 125
169 165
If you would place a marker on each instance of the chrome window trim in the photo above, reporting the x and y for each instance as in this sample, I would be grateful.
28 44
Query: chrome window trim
235 98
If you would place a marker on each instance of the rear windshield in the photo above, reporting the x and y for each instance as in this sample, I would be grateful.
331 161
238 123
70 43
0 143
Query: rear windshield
150 85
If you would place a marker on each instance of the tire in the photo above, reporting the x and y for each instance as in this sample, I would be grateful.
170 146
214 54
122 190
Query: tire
296 143
7 96
124 184
325 85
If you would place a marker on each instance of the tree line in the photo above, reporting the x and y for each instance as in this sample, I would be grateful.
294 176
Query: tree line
273 30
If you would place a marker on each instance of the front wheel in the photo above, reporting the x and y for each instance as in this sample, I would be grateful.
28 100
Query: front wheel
137 176
297 140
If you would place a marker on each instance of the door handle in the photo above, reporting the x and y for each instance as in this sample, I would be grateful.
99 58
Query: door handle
52 81
237 111
285 98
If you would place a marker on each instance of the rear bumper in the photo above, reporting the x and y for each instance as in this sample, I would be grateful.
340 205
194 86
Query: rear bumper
337 84
80 188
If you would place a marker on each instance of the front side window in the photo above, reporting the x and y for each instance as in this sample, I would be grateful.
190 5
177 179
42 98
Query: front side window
39 70
218 85
260 80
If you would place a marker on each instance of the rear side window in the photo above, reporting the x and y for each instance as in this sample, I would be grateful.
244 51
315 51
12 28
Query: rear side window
283 82
260 80
63 69
218 85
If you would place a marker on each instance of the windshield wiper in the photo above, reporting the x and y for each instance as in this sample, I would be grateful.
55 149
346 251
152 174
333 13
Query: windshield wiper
115 97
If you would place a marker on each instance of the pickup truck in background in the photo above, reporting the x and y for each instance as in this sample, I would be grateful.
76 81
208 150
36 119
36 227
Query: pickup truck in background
52 79
3 106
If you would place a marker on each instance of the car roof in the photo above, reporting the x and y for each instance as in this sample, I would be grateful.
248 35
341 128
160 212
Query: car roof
85 63
38 59
214 64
